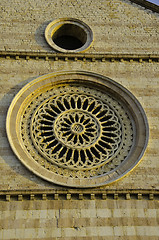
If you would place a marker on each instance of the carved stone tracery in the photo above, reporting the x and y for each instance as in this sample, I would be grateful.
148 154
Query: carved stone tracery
75 131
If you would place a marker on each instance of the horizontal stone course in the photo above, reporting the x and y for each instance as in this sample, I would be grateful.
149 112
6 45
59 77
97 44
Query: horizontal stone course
133 75
123 23
55 220
125 49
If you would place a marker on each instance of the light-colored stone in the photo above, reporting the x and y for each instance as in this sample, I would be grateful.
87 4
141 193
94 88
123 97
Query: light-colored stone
120 28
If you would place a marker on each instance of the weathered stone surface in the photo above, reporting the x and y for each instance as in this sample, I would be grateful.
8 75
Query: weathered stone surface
27 210
139 78
101 220
118 26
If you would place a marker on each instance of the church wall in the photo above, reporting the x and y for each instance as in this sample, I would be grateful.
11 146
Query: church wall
79 219
139 78
119 26
32 208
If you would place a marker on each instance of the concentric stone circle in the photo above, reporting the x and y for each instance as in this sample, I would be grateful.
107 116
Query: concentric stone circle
81 131
64 28
75 129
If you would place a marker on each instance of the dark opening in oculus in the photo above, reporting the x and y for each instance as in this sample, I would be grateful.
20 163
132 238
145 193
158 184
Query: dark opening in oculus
69 37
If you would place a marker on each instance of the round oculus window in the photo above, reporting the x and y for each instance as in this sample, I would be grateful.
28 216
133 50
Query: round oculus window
77 129
68 35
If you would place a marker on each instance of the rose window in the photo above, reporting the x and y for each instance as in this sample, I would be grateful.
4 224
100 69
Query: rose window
77 129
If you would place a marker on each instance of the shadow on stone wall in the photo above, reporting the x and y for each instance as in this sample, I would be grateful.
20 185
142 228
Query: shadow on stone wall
40 37
18 175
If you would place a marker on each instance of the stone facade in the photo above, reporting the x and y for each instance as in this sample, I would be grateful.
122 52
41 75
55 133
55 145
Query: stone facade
125 49
79 219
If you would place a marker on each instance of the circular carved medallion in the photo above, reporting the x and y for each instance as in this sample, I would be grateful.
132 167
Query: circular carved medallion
76 129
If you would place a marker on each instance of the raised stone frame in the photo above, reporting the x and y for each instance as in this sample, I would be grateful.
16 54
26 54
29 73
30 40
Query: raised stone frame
77 129
70 27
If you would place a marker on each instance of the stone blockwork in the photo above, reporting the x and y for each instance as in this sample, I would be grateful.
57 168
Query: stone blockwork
132 75
130 27
125 49
79 219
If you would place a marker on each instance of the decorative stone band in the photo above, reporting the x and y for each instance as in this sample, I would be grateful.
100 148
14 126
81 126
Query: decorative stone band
16 55
32 195
77 129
